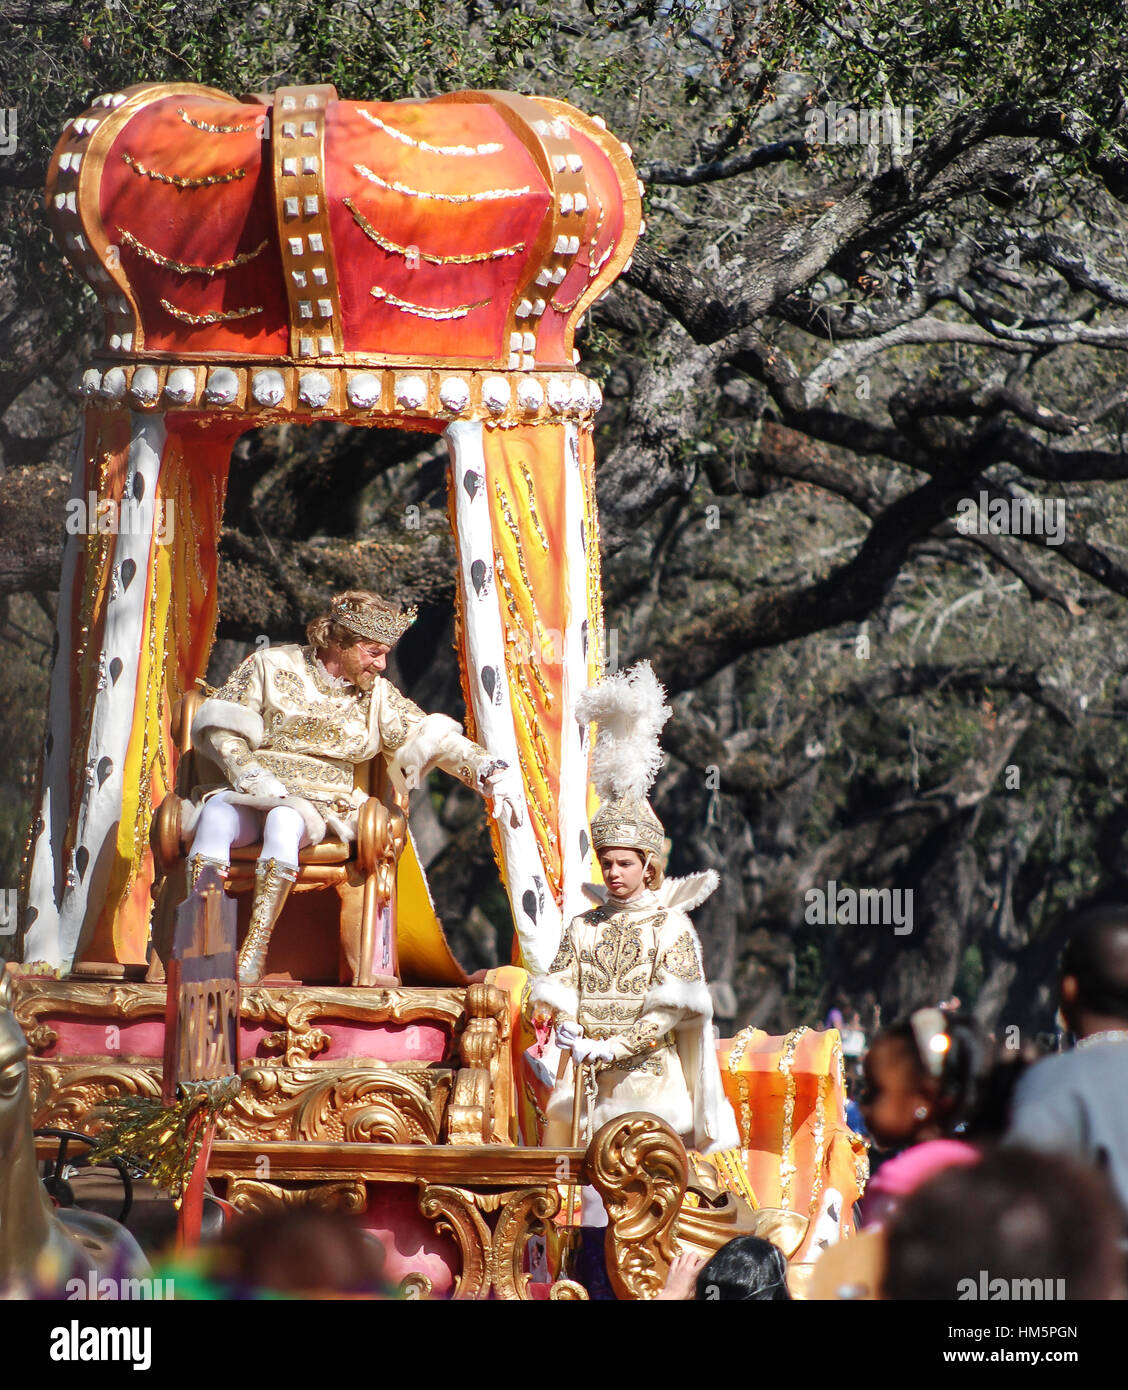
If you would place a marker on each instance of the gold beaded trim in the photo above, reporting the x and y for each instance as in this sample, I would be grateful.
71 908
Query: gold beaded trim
178 181
511 601
736 1056
787 1141
458 311
567 308
486 196
395 249
182 267
528 477
514 531
491 148
544 690
212 129
820 1146
220 316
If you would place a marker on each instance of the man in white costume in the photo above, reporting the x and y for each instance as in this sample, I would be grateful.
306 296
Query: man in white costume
627 989
285 733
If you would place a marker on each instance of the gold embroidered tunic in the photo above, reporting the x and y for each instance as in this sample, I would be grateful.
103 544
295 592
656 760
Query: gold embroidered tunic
630 973
280 715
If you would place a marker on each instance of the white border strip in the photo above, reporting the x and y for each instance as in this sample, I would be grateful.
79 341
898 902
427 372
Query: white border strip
539 930
100 809
45 877
574 740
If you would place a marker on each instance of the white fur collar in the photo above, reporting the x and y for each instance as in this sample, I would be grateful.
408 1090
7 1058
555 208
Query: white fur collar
599 894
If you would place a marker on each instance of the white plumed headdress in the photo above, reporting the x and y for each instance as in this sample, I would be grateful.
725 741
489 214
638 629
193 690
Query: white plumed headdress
629 709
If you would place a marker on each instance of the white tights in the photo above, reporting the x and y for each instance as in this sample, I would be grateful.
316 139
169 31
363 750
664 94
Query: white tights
222 827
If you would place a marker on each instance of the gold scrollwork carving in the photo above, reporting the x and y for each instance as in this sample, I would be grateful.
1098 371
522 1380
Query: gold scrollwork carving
64 1096
376 1105
567 1291
518 1216
299 1046
491 1259
452 1209
40 1038
639 1166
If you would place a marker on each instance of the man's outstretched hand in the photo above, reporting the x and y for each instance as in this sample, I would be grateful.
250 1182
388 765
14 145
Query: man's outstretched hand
506 794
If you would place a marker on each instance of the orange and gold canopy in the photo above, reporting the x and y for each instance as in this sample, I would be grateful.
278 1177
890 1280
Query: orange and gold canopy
470 230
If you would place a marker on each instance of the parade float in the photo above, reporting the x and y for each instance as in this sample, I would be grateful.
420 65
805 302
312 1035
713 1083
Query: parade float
419 265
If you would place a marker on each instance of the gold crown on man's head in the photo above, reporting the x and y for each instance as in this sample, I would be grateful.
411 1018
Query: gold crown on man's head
621 823
377 624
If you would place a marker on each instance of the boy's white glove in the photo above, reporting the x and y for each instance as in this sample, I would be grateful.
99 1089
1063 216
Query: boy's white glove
588 1050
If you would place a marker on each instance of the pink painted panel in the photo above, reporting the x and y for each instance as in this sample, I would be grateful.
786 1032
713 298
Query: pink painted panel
411 1243
389 1042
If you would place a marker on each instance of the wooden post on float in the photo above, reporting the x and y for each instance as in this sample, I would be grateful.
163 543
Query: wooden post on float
201 1022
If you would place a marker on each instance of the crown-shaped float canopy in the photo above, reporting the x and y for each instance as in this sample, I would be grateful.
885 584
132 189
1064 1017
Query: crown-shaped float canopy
470 230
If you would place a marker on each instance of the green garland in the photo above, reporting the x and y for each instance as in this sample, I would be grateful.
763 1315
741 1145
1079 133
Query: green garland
164 1140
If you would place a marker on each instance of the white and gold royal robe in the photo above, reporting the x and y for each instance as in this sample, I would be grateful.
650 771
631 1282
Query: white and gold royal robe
630 973
281 711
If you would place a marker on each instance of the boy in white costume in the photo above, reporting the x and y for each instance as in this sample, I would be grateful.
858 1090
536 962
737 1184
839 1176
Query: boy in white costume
627 989
285 733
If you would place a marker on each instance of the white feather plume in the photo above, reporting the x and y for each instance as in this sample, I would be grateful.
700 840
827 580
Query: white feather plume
630 709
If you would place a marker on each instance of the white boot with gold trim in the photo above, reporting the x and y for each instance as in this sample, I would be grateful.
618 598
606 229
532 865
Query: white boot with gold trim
273 881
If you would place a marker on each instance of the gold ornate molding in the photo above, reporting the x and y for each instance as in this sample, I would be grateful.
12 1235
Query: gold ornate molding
36 996
487 1024
638 1166
292 1010
253 1197
479 1105
495 1167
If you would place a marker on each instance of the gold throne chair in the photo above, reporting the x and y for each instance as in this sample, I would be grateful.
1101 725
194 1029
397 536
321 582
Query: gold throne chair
360 875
